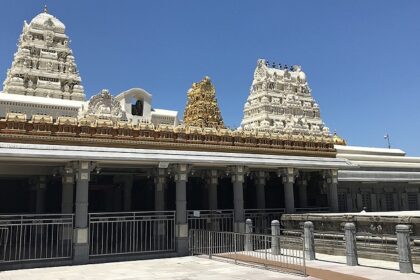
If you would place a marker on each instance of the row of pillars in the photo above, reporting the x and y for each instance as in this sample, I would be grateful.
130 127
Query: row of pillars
288 177
402 232
79 174
403 243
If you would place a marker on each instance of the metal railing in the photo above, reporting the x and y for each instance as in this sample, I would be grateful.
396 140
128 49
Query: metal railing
262 250
262 218
35 237
217 220
131 232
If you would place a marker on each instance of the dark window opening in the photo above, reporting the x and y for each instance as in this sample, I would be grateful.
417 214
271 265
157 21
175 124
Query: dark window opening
137 108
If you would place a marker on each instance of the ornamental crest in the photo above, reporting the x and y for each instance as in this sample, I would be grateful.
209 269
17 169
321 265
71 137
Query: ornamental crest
104 106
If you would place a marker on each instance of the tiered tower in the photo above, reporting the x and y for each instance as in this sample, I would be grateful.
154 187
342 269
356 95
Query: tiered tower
280 101
44 65
202 109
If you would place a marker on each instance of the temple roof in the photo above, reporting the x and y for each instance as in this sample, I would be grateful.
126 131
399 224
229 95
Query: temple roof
45 19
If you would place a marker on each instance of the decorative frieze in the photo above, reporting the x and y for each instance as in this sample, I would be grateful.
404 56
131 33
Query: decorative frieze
15 127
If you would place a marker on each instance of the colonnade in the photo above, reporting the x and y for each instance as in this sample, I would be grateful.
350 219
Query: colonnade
78 175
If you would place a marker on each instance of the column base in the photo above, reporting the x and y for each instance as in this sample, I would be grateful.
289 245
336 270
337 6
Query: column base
182 248
80 246
351 261
80 253
239 227
310 255
406 267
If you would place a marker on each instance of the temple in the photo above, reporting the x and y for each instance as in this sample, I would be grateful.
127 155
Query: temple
94 167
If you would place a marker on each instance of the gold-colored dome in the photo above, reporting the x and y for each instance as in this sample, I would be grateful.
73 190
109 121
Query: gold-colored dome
338 140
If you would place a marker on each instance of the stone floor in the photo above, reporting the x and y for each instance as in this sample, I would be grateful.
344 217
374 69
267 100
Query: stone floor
201 268
186 268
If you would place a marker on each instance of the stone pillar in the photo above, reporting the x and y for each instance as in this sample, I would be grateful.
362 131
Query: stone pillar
332 180
212 189
418 198
260 189
349 202
248 238
373 202
41 188
288 181
275 239
404 250
351 248
359 202
67 203
81 231
127 188
116 197
238 198
309 240
67 190
396 201
404 201
160 181
303 193
181 233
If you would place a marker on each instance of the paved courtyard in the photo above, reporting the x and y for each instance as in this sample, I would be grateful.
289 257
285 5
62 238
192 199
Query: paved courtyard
186 268
200 268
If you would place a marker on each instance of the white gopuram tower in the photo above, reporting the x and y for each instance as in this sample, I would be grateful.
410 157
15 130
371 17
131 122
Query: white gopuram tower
280 101
43 78
44 65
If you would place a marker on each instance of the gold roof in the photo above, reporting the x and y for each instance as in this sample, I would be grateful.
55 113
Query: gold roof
338 140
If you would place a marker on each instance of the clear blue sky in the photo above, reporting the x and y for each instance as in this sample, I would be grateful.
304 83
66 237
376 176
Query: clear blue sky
362 58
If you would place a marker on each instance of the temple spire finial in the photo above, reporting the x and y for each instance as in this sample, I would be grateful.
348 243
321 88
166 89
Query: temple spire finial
45 9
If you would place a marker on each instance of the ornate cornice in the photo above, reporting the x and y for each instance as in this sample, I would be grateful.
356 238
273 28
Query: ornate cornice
122 134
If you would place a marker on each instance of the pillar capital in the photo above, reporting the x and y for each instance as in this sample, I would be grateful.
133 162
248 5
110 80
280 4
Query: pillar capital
288 174
331 176
67 174
213 177
83 170
260 177
238 173
302 182
41 182
160 174
181 172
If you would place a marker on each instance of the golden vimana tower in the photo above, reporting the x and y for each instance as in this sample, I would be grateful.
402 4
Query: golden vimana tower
202 109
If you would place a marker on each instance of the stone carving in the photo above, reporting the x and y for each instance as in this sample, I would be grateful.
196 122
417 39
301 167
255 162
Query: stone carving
280 101
104 106
202 109
38 49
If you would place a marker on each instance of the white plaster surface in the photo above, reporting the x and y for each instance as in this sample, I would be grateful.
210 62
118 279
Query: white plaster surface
10 151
